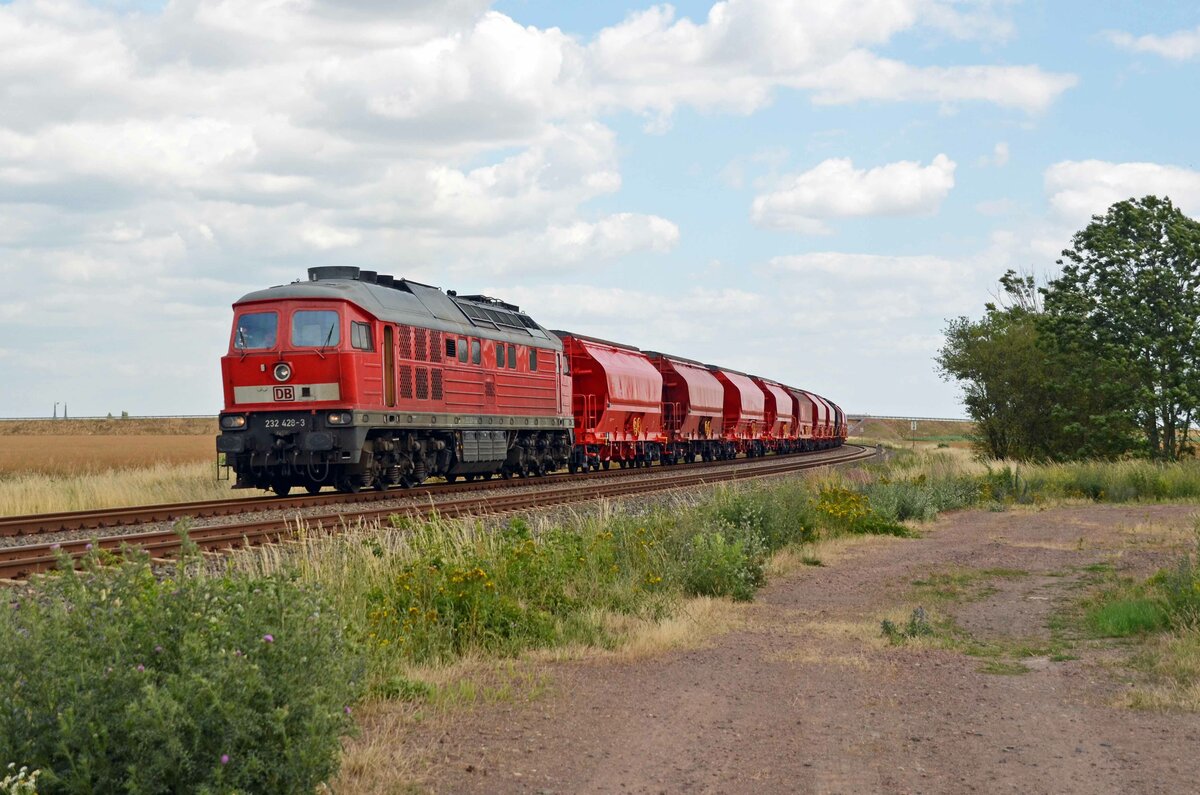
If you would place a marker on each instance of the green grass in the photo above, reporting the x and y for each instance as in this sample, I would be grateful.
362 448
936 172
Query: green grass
429 593
961 583
1123 617
1003 668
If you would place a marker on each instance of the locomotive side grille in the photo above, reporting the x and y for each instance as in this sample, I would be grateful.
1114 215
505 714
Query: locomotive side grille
421 345
489 389
435 346
405 335
437 384
406 379
422 383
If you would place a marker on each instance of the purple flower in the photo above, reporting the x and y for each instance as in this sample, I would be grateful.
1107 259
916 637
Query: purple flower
141 668
268 638
88 547
347 710
237 652
55 546
224 759
158 649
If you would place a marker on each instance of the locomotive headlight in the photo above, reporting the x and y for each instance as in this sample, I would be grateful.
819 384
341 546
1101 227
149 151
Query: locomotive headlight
340 418
232 422
283 371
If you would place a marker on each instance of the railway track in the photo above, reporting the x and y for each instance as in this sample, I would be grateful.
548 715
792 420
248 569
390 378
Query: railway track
21 561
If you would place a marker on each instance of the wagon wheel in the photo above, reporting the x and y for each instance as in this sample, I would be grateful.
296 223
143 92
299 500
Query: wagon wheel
281 487
312 488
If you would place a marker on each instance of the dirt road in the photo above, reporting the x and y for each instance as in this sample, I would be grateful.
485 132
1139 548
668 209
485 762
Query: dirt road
805 695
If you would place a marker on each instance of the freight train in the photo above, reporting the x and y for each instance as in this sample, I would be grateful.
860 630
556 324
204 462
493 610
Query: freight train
355 379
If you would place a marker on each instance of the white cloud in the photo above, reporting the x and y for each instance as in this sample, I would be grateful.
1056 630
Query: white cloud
1078 190
1182 45
745 49
862 75
836 189
998 158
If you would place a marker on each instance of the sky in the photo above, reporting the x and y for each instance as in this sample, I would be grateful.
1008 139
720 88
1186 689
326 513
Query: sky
803 189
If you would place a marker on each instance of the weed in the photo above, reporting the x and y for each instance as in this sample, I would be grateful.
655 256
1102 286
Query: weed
917 626
117 680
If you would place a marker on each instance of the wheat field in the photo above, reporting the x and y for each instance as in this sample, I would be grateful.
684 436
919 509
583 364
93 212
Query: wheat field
72 465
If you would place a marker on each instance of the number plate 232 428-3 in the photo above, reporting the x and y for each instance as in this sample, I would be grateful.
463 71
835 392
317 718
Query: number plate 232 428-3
286 422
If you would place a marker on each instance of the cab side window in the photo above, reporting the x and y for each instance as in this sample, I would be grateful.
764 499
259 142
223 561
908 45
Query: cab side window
512 357
462 349
361 337
499 354
476 352
533 360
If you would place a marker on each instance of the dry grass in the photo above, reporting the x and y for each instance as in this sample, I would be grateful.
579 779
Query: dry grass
1172 665
73 465
114 427
33 493
83 455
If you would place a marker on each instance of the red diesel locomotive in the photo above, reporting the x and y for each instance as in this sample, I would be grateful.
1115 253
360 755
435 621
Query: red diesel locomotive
355 379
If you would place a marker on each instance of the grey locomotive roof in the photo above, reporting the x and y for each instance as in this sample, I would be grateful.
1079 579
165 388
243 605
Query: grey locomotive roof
415 304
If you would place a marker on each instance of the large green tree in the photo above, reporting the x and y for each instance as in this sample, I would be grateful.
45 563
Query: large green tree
1126 313
1007 378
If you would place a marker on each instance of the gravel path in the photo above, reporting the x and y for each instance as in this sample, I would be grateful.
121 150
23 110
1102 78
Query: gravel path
802 696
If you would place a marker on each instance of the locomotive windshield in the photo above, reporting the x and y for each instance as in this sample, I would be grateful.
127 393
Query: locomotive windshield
315 328
255 331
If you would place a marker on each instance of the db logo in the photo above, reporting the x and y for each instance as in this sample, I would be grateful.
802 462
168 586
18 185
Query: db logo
285 393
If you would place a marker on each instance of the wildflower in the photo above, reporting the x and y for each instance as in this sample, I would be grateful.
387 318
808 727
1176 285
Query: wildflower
141 668
158 649
88 547
347 709
224 759
55 546
268 638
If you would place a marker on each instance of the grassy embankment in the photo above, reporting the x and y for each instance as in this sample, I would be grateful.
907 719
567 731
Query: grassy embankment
69 465
432 611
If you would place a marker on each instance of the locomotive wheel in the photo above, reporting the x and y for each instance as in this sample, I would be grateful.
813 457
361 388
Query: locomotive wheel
281 487
313 488
505 473
451 477
349 485
605 465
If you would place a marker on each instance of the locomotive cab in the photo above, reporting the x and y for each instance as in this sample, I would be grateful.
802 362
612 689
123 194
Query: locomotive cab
354 379
289 401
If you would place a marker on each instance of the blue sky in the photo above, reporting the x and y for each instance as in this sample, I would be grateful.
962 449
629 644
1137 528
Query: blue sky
807 190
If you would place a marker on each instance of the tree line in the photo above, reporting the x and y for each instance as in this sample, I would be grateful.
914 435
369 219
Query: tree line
1099 362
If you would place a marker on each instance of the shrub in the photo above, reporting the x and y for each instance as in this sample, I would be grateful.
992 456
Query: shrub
719 566
117 680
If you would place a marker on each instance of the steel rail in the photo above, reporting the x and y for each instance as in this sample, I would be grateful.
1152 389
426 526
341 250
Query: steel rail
35 524
22 561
